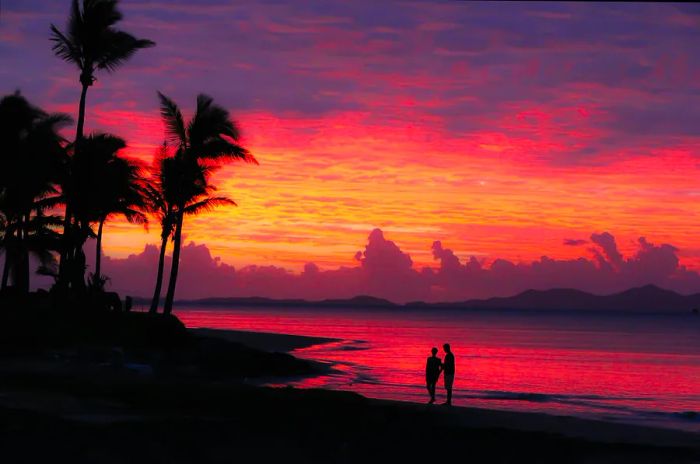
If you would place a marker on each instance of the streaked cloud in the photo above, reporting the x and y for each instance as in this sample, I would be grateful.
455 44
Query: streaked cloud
501 130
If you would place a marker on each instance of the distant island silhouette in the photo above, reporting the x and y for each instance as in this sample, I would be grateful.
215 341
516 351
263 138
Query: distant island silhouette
648 298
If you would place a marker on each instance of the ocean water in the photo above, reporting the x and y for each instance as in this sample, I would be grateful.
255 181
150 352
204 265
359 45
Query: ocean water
634 368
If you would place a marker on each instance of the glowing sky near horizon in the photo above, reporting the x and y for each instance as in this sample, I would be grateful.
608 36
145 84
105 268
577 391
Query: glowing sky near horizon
502 130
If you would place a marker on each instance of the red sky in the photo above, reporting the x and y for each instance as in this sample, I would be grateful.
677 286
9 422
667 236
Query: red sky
501 130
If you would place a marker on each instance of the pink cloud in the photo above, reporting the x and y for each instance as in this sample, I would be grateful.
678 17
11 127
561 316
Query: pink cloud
385 271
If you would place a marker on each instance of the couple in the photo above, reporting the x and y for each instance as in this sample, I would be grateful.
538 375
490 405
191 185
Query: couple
434 367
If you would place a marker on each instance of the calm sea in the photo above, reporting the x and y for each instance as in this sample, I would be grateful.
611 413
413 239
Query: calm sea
619 367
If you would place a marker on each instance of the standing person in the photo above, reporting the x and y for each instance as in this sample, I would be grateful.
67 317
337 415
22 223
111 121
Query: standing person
432 373
448 369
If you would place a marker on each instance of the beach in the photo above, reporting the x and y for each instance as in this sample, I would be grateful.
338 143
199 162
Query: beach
638 369
86 411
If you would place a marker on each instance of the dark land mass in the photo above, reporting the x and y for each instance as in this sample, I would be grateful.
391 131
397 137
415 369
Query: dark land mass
92 387
264 340
648 299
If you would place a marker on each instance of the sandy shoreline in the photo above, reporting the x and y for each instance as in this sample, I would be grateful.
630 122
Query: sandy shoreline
569 426
265 341
193 398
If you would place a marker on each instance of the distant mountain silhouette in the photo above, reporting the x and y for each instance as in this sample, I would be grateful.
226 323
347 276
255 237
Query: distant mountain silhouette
648 298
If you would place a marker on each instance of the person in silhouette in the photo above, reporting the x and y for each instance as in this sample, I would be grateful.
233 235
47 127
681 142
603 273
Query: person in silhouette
432 373
448 369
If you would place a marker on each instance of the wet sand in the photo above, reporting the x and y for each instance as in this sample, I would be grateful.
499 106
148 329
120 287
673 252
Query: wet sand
264 340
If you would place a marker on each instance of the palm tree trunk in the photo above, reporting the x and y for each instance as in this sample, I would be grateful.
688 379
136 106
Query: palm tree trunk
159 277
65 248
23 257
177 239
81 112
63 265
98 252
6 267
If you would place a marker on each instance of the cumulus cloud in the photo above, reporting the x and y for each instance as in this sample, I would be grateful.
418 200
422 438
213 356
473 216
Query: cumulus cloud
384 270
574 242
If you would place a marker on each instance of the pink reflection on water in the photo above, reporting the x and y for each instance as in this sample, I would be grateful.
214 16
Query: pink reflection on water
643 369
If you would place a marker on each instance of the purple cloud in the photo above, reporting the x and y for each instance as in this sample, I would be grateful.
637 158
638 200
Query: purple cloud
470 65
385 271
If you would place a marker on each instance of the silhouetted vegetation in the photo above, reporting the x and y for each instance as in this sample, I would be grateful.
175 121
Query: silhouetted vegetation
32 165
210 138
55 194
91 43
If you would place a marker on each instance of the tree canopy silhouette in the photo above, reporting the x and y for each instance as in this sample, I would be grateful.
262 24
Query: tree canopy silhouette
31 166
177 181
101 184
208 139
91 43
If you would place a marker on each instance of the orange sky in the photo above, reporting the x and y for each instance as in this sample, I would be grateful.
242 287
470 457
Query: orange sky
318 192
500 131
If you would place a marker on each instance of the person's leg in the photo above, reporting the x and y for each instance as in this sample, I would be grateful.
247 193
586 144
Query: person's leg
449 380
431 390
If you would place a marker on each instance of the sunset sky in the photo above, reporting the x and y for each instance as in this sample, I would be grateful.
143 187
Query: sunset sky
503 130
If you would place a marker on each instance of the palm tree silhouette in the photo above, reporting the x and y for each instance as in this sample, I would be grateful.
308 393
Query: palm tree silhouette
31 163
161 204
103 184
210 137
91 42
176 181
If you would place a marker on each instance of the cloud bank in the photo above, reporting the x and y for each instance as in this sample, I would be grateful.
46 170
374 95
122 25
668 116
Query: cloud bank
384 270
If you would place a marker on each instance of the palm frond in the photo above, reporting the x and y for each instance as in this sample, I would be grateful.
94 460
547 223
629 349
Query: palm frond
119 47
208 204
64 48
211 121
134 216
172 117
217 148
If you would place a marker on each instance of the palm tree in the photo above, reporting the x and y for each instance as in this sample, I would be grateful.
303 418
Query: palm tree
210 137
102 185
161 204
122 194
91 42
166 191
37 237
30 167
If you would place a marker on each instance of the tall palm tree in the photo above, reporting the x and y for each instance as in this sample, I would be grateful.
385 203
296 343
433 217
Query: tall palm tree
161 203
210 137
31 161
102 184
91 42
166 191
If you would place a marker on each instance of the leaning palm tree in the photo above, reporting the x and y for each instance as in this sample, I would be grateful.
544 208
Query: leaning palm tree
210 137
169 189
91 42
160 202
